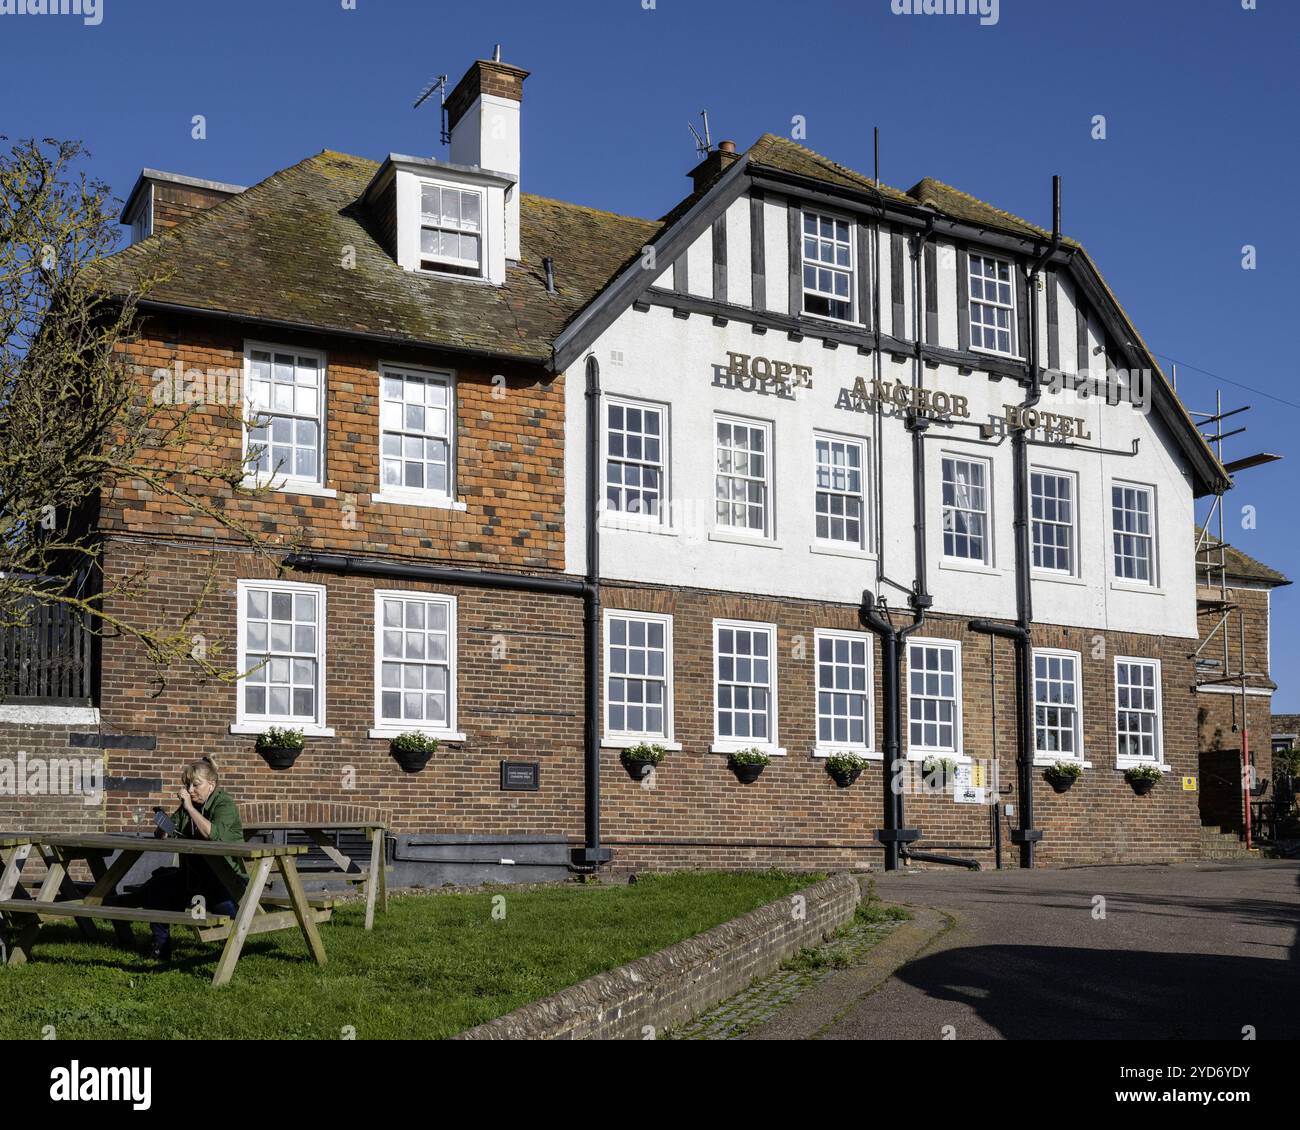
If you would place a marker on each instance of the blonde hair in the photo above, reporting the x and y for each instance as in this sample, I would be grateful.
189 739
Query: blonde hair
205 767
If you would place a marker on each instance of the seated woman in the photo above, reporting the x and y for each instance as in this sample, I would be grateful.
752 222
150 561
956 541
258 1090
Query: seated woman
206 813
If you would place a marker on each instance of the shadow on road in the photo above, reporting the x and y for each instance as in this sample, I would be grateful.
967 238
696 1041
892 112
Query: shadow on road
1044 992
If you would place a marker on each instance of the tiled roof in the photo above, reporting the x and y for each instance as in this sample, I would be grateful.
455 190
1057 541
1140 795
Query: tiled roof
1242 566
275 253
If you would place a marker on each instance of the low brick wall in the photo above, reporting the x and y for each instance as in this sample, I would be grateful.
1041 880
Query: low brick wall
676 983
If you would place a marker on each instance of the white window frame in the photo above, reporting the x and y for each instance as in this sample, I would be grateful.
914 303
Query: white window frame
256 724
1046 757
1152 537
863 543
1127 761
851 270
1073 526
731 743
639 518
987 560
920 753
623 739
1013 334
401 495
279 480
386 727
450 267
826 748
768 531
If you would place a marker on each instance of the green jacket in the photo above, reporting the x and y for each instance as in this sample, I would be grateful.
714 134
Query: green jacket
220 809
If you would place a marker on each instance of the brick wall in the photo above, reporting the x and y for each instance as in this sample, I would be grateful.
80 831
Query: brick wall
646 996
21 748
509 462
520 697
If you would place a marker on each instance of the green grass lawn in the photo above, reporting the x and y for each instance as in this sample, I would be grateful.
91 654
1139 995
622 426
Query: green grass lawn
434 965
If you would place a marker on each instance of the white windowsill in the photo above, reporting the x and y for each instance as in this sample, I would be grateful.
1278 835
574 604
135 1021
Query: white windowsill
736 747
958 566
309 729
1043 761
1132 586
1057 578
290 486
959 758
643 527
823 751
1122 763
389 732
830 549
628 743
432 501
741 539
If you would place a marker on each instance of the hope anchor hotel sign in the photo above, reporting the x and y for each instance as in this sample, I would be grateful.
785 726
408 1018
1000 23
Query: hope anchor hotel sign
770 377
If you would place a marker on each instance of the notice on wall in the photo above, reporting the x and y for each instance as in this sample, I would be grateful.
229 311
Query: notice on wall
975 783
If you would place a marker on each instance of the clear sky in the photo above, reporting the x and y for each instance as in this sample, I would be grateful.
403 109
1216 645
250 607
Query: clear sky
1201 100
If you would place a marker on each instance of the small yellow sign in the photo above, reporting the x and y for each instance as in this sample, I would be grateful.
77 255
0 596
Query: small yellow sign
1189 784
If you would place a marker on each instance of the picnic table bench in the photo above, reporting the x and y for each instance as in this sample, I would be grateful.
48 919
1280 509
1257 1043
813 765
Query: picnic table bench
111 856
373 875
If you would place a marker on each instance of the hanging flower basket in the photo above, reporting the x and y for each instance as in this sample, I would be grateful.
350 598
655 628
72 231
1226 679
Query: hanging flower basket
413 750
845 768
280 748
1062 775
748 764
1143 778
639 760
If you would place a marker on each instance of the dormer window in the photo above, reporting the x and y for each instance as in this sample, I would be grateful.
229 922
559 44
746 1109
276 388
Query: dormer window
451 230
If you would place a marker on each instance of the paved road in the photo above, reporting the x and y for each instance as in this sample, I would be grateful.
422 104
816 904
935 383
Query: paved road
1196 951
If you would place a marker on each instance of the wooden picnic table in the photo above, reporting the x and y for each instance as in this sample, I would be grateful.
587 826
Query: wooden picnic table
111 856
373 876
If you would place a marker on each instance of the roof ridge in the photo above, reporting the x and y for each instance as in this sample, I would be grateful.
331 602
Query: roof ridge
587 208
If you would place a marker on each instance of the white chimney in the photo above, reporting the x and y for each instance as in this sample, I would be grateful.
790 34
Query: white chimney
483 117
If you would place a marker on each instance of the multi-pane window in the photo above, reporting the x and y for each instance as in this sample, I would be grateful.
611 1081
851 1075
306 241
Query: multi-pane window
1130 508
992 305
965 508
840 499
827 267
416 422
934 696
1137 708
1052 504
638 665
415 657
743 682
634 458
743 482
284 395
451 230
843 689
1056 703
281 634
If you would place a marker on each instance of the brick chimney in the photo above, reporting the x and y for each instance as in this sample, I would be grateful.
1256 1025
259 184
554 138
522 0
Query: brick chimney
483 118
714 165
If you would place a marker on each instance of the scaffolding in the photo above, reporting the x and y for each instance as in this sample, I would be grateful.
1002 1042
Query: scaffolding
1214 660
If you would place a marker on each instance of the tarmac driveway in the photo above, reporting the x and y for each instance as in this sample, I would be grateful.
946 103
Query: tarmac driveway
1195 951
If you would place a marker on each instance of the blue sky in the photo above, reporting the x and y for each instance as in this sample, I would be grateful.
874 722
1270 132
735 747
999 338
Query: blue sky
1201 98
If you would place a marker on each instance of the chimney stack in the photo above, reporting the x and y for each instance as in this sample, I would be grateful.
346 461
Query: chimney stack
483 118
713 166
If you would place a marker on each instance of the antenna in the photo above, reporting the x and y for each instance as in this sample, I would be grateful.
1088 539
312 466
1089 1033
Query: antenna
440 85
876 138
704 144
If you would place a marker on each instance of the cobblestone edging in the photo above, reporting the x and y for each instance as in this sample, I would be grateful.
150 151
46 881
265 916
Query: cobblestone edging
639 1000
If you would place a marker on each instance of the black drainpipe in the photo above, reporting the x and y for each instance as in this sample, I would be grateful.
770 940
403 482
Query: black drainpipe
592 854
1026 835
